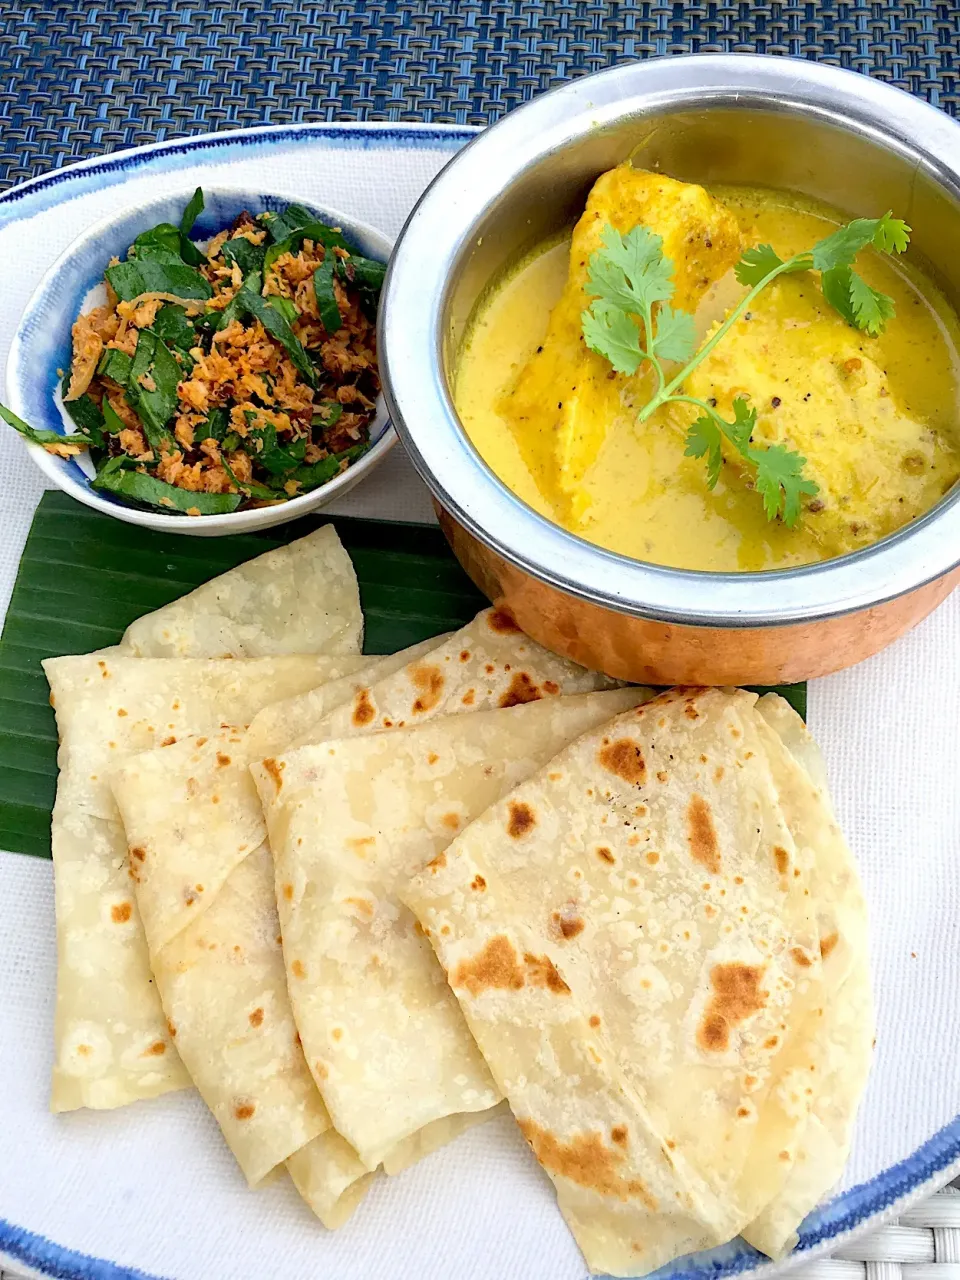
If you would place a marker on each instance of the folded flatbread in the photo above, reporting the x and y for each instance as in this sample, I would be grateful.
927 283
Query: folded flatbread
299 598
488 663
642 970
204 886
111 1041
348 821
846 1031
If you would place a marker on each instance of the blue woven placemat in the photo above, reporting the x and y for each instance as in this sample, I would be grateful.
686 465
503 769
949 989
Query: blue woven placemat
83 78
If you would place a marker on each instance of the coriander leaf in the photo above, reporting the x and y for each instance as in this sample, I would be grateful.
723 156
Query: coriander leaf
835 285
611 333
150 275
871 308
248 257
113 424
147 490
192 211
780 481
155 403
41 437
327 305
703 440
172 326
744 421
892 235
116 365
639 255
675 334
757 263
84 412
888 234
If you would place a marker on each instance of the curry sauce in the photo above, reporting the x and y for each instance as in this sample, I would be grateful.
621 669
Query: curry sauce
876 418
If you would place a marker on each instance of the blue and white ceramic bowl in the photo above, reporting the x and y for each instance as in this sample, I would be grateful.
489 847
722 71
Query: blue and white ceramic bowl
42 348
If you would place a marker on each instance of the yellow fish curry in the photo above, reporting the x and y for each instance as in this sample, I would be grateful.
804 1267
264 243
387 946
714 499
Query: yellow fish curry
868 424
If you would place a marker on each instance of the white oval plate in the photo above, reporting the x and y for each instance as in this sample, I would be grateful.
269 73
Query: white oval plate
151 1190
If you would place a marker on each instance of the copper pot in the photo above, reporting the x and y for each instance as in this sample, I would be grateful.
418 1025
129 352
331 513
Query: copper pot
833 135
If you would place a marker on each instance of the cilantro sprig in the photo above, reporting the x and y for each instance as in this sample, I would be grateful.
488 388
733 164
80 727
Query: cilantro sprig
630 321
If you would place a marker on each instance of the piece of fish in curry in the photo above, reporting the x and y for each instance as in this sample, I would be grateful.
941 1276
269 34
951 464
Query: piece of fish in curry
819 389
566 396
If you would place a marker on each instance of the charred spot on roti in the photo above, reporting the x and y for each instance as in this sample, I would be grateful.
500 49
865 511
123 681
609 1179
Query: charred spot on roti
521 690
256 1017
702 834
605 854
156 1050
827 944
120 912
653 857
222 760
736 996
434 865
521 819
137 851
469 698
781 858
432 758
619 1134
503 623
771 1042
594 1020
800 957
584 1158
168 742
551 687
275 771
464 655
451 820
244 1109
122 712
288 892
171 1029
542 972
297 969
496 965
691 712
662 775
566 923
363 708
478 883
624 758
337 1033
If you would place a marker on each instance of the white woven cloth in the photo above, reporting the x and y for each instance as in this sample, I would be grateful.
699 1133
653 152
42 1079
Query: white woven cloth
153 1187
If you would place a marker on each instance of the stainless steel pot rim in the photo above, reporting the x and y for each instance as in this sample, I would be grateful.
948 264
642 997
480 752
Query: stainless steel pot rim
411 339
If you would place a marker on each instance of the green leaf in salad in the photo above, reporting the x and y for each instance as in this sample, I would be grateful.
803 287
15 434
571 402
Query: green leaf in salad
192 212
248 257
313 230
235 307
218 420
231 442
327 307
261 445
250 488
162 241
113 424
156 402
315 474
116 365
137 486
287 309
162 273
174 328
366 273
84 412
328 414
249 302
41 437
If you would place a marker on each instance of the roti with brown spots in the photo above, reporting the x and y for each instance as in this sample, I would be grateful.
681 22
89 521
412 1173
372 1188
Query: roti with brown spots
354 817
672 877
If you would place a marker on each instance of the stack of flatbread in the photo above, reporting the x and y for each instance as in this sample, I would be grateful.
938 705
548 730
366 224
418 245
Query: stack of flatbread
361 903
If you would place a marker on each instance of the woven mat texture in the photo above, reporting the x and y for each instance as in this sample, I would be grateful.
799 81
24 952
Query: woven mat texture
80 79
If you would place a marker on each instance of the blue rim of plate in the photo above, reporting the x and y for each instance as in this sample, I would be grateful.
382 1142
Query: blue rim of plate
856 1209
